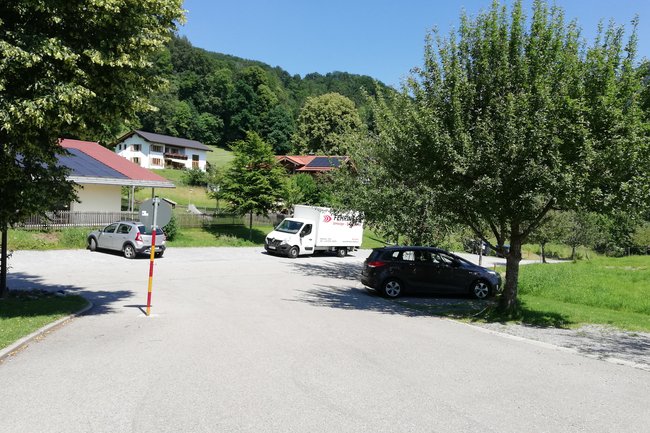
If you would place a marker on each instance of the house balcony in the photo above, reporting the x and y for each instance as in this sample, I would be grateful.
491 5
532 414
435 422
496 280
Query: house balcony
175 156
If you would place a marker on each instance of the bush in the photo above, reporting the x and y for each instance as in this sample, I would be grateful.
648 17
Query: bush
195 177
171 229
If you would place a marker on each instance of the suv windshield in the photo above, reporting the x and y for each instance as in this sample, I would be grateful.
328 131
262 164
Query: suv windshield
288 226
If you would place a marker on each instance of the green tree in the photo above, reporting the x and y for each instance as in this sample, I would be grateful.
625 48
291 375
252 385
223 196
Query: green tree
504 124
71 68
254 182
583 229
302 188
400 209
641 237
554 228
326 123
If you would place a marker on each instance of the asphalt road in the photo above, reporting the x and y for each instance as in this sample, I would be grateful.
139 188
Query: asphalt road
244 342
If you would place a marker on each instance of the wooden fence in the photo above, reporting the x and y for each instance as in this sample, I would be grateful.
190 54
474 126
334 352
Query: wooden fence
62 219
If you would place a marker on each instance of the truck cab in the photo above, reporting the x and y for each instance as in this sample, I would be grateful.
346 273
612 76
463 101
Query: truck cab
292 237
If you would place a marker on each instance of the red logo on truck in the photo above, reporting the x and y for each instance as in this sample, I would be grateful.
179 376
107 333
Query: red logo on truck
327 218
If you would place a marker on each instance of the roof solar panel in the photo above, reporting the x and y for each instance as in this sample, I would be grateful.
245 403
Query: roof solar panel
81 164
325 161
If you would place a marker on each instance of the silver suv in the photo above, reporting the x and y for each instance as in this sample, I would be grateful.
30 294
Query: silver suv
132 238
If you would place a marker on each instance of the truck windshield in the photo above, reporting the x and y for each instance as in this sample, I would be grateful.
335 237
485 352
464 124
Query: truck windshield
288 226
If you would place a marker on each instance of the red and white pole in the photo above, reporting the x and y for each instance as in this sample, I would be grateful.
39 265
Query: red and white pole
153 253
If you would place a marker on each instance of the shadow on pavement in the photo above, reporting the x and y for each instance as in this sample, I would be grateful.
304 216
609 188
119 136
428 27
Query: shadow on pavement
354 299
343 270
103 300
368 299
613 343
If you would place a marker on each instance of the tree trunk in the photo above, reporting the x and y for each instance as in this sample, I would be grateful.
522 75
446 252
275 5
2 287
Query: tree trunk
543 255
573 253
3 264
508 302
250 226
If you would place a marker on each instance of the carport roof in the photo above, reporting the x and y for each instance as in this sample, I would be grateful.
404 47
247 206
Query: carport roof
90 163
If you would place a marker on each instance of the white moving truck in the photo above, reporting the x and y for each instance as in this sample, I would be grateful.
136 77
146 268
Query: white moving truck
314 229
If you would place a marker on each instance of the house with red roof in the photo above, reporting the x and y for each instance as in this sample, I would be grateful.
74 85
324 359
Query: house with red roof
310 163
100 175
156 151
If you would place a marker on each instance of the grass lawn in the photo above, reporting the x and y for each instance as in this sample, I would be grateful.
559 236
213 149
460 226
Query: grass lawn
220 157
66 239
182 194
603 290
25 312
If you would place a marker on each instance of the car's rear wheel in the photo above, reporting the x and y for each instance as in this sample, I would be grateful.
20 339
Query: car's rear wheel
129 251
392 288
293 252
160 254
341 252
92 244
480 289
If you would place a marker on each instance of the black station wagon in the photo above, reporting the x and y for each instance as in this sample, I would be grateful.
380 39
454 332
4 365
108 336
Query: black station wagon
394 271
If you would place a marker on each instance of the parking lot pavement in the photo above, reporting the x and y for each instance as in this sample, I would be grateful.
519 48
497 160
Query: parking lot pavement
240 341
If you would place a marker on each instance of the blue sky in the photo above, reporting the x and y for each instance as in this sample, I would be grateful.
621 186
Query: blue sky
380 38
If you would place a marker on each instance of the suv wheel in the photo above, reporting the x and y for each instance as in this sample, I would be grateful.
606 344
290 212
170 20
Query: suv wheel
480 289
392 288
129 251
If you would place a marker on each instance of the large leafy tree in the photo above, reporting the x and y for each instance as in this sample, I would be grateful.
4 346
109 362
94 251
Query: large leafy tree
401 208
254 181
325 124
72 68
504 123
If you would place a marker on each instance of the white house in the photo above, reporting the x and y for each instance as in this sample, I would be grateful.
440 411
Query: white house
154 151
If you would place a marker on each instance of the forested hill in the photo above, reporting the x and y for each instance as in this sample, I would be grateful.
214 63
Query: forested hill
215 98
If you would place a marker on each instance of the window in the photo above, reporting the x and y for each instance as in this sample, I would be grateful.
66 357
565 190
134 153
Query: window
156 148
305 230
408 256
156 161
136 160
124 229
110 229
195 161
136 148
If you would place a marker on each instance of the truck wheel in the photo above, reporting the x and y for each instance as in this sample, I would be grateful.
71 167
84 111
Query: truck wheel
341 252
293 252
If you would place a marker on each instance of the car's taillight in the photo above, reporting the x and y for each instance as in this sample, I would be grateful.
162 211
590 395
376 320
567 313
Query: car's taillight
138 237
376 264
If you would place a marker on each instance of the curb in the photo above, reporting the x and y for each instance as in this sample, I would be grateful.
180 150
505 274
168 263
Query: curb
551 346
13 348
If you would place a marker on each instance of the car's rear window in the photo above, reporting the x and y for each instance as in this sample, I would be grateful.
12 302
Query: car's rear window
390 255
143 230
